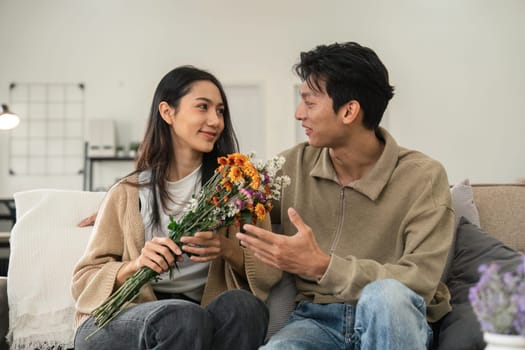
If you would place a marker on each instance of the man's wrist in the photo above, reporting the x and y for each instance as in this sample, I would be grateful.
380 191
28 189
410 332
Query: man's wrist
322 266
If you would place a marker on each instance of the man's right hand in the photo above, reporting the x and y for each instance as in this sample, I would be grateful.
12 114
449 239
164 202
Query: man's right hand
89 221
297 254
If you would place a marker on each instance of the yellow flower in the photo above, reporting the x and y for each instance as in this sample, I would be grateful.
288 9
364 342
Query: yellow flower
235 174
239 159
260 211
256 182
227 184
250 170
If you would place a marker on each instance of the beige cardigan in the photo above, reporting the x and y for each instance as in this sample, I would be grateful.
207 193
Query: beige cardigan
118 237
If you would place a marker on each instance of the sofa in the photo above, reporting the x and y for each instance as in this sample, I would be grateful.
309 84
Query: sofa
45 244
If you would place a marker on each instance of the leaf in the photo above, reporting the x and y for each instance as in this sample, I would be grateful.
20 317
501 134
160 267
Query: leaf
246 217
173 225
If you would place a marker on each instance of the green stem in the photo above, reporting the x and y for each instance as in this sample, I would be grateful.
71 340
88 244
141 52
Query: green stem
124 295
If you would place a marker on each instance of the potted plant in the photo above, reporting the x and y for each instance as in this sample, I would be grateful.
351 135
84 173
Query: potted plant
119 149
498 300
133 148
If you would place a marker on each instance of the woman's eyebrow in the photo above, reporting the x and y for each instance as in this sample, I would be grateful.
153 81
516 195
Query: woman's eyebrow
208 100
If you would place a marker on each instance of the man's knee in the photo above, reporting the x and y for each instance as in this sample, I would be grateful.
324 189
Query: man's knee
385 294
390 298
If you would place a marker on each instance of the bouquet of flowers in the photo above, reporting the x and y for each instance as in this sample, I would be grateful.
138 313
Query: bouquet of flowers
498 299
238 191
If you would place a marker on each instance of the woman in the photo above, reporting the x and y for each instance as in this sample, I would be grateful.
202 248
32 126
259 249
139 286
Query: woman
188 128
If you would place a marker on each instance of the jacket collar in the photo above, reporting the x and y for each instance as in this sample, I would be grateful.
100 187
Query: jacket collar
375 180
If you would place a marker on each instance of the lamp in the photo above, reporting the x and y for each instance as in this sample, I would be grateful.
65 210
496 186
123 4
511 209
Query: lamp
8 120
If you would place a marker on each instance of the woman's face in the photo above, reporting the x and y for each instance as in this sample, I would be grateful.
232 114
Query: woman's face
198 122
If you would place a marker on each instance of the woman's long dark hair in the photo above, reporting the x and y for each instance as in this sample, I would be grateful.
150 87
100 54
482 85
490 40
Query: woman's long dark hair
156 149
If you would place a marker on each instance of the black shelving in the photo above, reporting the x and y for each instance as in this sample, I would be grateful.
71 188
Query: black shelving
90 161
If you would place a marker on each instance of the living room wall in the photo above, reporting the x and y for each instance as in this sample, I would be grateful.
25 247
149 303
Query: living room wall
458 66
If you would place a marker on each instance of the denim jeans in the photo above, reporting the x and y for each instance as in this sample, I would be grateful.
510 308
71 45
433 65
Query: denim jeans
388 315
234 320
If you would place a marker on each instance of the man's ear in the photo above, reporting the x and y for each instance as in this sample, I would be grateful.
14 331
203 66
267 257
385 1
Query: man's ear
166 112
350 111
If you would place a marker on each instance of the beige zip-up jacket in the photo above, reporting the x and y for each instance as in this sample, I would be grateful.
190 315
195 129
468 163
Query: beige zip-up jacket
395 222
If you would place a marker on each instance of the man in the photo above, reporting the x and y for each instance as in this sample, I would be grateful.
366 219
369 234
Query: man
368 223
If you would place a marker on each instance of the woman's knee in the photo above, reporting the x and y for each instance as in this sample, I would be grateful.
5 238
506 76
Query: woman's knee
176 313
239 304
167 322
178 322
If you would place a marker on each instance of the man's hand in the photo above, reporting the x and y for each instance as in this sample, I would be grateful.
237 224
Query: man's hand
89 221
298 254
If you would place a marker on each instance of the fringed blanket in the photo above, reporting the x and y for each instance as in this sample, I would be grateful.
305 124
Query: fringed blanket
45 244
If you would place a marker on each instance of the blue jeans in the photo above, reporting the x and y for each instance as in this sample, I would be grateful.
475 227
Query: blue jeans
234 320
388 315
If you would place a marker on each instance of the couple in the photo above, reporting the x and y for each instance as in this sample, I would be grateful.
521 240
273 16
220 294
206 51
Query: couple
367 225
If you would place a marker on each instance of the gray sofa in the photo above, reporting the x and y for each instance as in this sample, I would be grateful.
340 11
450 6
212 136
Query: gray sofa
501 212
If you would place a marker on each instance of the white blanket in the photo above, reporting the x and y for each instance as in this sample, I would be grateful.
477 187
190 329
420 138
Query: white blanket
45 244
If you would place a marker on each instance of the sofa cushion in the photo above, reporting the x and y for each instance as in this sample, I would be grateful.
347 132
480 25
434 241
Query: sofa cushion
460 328
464 207
463 203
501 211
281 303
45 245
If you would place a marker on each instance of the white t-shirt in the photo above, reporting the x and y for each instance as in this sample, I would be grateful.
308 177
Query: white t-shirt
191 276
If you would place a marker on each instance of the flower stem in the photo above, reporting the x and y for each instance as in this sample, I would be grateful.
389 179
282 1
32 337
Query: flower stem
124 295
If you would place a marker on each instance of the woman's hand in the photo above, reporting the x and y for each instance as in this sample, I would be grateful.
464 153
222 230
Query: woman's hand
159 254
205 246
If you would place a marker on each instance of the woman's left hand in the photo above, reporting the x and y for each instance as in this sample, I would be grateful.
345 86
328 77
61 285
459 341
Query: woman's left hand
205 246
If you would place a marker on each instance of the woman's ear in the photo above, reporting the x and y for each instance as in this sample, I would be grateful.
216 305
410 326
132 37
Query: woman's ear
166 112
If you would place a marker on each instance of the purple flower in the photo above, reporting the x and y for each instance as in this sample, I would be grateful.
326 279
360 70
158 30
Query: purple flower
239 203
498 299
246 193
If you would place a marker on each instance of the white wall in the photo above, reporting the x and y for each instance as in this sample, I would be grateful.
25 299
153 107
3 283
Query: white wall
458 65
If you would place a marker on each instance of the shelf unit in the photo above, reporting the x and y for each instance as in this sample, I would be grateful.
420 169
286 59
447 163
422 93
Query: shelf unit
89 163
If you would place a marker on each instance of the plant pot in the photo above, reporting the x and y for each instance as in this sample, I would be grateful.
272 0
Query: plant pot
503 341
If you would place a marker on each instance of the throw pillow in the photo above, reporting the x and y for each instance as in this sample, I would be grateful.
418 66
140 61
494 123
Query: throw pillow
463 203
464 206
460 328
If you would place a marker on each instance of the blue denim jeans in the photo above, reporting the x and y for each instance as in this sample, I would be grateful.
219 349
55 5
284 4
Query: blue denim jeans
388 315
234 320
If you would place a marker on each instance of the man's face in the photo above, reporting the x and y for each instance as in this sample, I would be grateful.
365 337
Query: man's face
315 111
